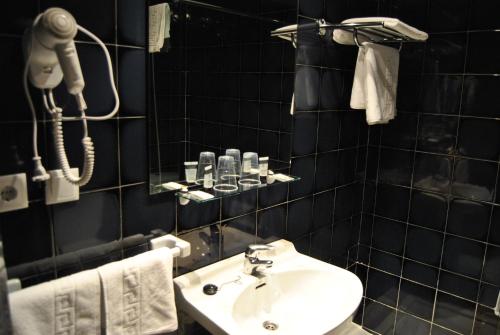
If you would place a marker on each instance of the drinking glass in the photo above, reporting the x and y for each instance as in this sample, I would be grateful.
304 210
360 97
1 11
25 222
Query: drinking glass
235 153
226 176
207 158
250 170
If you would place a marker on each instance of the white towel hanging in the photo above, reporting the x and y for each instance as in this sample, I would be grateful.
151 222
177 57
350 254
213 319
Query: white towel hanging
375 82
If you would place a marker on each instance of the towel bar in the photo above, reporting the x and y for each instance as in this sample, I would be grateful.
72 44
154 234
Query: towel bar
376 32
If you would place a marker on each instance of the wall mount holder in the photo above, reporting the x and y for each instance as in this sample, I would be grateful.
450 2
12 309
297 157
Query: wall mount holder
179 247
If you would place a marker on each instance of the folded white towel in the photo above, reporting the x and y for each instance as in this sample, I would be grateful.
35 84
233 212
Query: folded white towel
138 294
70 305
346 37
375 82
159 26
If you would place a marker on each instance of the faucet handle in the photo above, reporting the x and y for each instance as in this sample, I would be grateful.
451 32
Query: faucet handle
252 249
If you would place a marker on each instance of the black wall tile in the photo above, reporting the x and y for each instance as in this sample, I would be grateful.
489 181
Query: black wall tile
401 132
479 98
474 179
445 53
457 285
305 126
299 218
195 215
416 299
463 256
420 273
133 139
469 219
131 26
431 254
238 234
428 210
302 167
491 270
396 167
328 132
379 317
386 262
382 287
388 236
482 14
23 228
75 227
494 236
441 94
321 243
142 213
404 322
445 16
437 134
432 172
345 202
325 171
454 313
132 84
392 202
479 138
323 209
271 224
272 195
482 52
239 204
332 93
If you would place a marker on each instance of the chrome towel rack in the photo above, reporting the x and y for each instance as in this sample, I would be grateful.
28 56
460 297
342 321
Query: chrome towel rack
375 32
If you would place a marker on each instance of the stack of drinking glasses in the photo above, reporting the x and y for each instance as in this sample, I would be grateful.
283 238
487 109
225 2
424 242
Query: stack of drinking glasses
230 174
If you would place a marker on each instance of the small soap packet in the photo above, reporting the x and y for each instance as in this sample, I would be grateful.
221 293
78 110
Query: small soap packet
172 186
282 177
200 195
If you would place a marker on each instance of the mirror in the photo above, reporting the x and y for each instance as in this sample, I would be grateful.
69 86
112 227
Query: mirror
220 81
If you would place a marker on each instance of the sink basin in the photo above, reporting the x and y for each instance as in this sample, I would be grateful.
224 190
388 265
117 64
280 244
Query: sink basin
298 295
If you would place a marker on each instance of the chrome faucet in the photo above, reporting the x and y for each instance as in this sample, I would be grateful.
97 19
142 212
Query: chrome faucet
253 265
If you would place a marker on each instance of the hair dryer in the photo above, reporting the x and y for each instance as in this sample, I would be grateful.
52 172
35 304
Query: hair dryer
52 57
53 53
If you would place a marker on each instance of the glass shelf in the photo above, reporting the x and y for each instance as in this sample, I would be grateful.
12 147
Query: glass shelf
186 197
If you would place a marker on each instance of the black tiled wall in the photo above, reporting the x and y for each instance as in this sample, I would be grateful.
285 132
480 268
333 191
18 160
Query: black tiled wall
415 202
108 205
428 248
319 213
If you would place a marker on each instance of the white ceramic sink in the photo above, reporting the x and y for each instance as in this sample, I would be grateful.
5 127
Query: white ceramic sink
299 294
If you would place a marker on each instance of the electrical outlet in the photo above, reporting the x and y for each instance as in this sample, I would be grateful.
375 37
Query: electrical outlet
13 192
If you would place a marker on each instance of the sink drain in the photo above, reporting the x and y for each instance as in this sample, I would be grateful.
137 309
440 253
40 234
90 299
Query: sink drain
268 325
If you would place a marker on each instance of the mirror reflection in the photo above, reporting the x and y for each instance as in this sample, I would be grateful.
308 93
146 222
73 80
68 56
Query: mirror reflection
217 81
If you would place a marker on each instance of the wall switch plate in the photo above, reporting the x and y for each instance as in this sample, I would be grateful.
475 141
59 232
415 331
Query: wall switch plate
13 192
58 189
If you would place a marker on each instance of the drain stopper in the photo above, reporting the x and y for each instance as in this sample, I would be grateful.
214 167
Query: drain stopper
210 289
268 325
